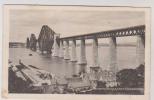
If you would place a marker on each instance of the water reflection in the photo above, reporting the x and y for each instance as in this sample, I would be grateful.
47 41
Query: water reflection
59 66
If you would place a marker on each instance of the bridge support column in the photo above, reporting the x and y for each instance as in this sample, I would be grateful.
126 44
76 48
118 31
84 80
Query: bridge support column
61 52
140 49
73 53
82 58
56 46
113 54
95 62
66 52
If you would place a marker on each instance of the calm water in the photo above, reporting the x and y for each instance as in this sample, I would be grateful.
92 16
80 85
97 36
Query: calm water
126 59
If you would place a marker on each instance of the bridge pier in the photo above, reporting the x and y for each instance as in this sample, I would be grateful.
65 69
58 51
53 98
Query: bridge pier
61 52
82 58
66 52
73 51
56 46
140 49
113 54
111 34
95 61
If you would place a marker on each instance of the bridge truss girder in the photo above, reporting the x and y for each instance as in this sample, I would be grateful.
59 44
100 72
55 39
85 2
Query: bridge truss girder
130 31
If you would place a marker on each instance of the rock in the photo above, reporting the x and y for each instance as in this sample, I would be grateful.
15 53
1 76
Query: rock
30 54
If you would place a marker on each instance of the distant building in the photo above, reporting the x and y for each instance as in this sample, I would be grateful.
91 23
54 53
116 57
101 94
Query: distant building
46 39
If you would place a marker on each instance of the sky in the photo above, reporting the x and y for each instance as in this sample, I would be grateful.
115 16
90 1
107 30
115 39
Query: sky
70 22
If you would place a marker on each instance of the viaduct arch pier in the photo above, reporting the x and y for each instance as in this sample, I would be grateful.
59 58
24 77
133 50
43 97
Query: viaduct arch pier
64 42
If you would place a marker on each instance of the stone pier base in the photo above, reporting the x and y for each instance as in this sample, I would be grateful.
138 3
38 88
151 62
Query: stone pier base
140 50
66 52
73 51
95 61
113 54
61 52
82 58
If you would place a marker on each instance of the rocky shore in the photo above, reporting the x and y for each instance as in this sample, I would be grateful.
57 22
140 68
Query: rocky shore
30 79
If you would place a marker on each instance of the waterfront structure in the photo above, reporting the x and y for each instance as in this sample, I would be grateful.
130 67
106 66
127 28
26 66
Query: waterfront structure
62 47
138 31
109 76
46 39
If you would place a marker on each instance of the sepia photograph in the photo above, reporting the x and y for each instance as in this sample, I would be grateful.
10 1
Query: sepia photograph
76 50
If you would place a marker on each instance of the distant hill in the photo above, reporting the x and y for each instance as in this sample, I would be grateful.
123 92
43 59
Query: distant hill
16 44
